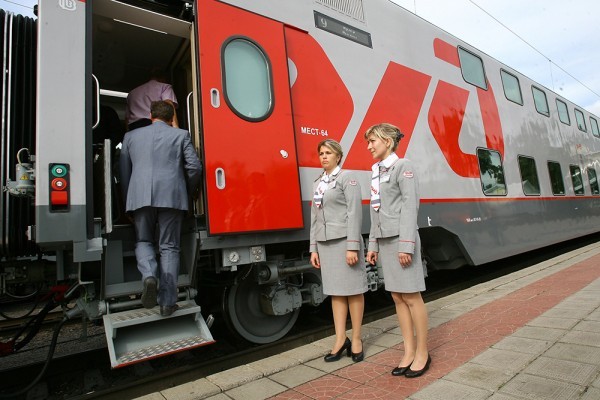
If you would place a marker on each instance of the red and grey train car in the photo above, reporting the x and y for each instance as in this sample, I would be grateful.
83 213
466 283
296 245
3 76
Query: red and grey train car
505 165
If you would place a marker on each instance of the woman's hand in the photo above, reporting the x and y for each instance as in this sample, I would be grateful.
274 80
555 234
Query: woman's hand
351 257
405 259
372 257
314 260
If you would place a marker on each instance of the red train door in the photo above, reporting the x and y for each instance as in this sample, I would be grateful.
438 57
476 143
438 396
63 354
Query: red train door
249 151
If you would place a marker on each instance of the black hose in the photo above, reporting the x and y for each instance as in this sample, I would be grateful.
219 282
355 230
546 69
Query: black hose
57 329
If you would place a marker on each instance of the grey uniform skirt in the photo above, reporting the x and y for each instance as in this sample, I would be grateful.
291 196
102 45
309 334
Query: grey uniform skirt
397 278
339 278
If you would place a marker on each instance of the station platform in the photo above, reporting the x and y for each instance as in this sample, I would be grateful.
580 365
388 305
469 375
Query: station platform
533 334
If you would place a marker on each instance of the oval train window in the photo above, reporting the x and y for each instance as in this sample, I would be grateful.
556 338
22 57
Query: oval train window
247 79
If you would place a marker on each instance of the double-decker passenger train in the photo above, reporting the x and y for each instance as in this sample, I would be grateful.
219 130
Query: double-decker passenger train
505 165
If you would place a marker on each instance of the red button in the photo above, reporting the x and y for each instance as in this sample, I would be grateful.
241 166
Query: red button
59 198
58 184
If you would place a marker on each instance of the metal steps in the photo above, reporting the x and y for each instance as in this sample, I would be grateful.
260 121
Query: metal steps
143 334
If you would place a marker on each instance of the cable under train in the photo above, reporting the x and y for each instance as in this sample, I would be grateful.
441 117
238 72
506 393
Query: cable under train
505 164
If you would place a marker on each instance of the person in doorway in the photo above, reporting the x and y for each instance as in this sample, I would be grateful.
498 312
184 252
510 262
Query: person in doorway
394 241
159 170
336 247
137 113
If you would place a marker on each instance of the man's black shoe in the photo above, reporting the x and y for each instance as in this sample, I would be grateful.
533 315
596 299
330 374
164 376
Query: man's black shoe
149 293
165 311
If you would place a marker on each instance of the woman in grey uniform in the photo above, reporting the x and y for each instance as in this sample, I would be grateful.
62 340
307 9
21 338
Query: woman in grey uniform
336 247
394 240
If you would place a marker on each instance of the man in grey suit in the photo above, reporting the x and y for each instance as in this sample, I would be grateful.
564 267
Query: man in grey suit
159 169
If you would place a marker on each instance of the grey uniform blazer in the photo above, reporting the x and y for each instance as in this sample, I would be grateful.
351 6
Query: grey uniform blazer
397 215
158 166
341 212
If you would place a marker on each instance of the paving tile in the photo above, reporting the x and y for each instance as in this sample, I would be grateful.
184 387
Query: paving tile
566 313
558 323
327 387
533 332
363 371
501 396
435 322
522 345
591 393
447 390
506 359
220 396
363 392
567 371
594 316
290 395
306 353
534 387
329 367
581 337
480 376
257 390
574 352
588 326
384 324
596 383
273 364
384 340
197 389
234 377
296 375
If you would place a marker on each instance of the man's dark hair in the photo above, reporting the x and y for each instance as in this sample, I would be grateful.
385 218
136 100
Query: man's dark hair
162 110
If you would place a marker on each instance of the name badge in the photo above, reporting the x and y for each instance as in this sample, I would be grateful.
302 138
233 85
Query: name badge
331 185
384 179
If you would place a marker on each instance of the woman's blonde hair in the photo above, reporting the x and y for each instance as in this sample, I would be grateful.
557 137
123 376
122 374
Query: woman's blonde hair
333 145
385 131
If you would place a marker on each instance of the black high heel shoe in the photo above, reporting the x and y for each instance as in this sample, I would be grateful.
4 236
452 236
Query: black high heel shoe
413 374
357 357
399 371
347 346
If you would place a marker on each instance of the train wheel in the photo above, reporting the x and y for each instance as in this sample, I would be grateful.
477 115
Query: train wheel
241 303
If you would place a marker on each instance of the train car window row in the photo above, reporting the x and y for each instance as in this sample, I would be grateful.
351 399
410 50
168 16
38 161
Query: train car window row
593 179
580 120
594 124
540 101
563 112
512 88
471 67
491 172
556 178
577 180
529 176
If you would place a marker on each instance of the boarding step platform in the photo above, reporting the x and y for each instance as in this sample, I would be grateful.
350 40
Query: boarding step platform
143 334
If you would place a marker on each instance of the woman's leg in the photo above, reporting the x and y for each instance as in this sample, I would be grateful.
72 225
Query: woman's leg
406 328
339 305
418 313
356 304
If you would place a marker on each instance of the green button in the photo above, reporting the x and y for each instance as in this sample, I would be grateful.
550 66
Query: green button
59 170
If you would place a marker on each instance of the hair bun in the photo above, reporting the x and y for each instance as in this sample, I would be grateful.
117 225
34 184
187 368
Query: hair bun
399 135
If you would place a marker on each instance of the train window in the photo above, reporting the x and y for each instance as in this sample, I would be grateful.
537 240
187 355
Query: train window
541 103
247 79
512 88
491 172
580 120
471 67
594 124
593 178
556 178
563 112
577 179
529 176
